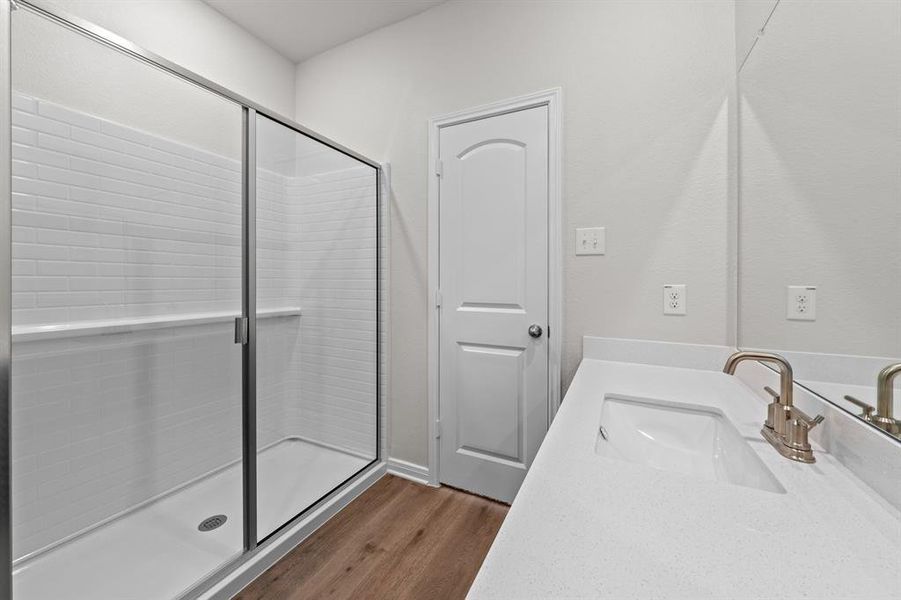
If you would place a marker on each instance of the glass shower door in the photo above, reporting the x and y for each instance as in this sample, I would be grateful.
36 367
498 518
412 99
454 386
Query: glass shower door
126 391
317 358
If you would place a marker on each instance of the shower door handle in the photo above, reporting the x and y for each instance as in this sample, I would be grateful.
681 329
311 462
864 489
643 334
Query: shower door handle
241 330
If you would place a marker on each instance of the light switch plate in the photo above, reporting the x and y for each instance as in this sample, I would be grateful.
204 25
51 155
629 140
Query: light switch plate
801 303
591 240
674 299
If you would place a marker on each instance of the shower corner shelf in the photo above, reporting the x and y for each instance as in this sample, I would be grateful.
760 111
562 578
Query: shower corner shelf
30 333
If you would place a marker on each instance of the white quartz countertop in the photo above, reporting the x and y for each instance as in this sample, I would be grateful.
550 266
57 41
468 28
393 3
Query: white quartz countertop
586 526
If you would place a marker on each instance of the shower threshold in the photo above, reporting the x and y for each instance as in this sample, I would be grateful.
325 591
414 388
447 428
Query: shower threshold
157 551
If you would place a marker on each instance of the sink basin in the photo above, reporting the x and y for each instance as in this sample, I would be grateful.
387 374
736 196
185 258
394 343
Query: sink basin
692 440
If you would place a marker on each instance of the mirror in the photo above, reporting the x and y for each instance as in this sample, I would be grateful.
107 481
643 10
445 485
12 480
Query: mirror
820 193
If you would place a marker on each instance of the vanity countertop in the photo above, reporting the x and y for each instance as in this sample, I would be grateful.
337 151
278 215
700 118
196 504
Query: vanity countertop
586 526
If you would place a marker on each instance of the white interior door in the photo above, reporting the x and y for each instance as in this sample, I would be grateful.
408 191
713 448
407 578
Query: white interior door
493 247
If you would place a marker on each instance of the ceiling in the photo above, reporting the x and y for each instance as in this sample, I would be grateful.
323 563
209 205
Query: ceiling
300 29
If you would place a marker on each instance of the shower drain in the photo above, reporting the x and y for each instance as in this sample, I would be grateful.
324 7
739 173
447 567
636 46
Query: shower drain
211 523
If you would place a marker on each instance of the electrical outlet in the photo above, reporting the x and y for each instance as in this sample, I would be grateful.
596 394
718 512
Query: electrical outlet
802 303
674 299
591 240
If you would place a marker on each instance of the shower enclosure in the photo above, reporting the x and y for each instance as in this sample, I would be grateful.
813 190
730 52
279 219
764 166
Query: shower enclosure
194 289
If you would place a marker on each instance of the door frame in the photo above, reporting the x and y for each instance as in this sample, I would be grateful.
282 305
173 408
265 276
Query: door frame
553 100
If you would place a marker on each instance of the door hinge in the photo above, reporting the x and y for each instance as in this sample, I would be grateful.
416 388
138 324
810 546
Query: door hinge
241 326
439 168
438 299
437 428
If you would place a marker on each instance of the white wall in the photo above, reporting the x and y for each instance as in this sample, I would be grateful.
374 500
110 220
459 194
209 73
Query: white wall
54 63
645 117
197 37
820 179
750 17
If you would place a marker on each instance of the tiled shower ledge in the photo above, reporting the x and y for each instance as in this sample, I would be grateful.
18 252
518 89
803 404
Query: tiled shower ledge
28 333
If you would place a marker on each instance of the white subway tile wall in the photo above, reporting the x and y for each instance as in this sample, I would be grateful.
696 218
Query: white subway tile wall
110 222
103 423
336 255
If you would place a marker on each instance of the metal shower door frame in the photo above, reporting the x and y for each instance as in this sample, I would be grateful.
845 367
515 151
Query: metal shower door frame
250 110
5 299
249 316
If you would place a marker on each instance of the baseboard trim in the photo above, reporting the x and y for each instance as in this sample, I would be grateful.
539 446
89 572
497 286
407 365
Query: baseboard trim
409 470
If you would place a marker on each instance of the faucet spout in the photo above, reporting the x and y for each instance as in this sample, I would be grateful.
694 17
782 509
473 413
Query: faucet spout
786 377
885 392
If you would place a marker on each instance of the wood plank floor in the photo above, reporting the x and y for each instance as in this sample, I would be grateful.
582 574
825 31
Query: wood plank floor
398 540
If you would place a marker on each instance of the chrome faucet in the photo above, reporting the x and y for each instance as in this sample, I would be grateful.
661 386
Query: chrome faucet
884 418
786 427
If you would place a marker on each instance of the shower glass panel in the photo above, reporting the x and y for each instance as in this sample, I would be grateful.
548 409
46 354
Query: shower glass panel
316 259
126 391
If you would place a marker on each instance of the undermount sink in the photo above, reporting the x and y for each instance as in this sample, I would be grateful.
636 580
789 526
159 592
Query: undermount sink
697 441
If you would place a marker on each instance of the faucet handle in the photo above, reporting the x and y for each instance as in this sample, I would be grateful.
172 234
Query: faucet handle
799 415
771 408
867 409
796 441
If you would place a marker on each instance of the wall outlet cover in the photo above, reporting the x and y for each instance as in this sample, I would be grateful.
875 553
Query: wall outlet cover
591 240
674 299
801 304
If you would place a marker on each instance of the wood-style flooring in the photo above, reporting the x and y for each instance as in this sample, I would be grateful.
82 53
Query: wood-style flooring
398 540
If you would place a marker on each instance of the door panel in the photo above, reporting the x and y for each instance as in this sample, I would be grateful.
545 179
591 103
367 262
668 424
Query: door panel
317 357
493 180
126 388
493 199
491 395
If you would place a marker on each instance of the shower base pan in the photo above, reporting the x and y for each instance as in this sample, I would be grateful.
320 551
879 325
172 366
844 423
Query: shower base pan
158 551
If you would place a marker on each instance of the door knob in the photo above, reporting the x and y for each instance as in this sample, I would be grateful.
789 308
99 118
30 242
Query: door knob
535 330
